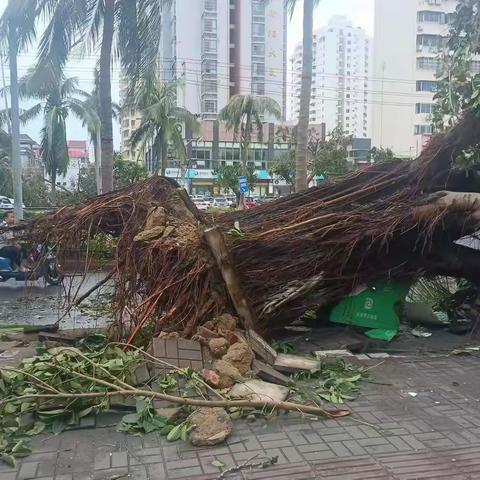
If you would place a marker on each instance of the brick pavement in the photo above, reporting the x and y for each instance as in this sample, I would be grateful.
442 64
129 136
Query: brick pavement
391 435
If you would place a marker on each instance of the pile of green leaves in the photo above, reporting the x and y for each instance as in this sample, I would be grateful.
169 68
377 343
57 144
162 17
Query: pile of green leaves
56 370
335 382
145 420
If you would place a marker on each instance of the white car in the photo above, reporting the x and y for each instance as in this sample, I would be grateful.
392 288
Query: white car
220 202
5 204
202 205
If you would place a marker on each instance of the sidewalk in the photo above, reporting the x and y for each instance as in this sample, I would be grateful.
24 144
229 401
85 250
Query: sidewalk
391 435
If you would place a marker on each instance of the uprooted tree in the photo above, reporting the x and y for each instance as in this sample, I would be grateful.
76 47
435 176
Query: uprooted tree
297 253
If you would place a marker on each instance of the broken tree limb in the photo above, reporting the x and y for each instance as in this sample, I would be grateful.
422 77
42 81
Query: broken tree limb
287 406
219 250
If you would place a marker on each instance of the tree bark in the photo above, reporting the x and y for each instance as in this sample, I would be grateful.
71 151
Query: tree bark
305 94
105 92
98 162
15 114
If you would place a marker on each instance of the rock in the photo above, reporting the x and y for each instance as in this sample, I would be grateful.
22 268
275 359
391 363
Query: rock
212 426
209 325
168 231
156 218
147 235
211 377
166 335
206 333
240 355
232 337
226 323
258 390
218 346
229 375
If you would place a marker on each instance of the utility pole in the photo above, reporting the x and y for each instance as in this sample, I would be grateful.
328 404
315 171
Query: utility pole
15 119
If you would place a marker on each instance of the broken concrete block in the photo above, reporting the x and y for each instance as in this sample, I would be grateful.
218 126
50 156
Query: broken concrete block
212 426
294 363
211 377
261 348
226 323
258 390
206 332
269 374
229 375
240 355
218 346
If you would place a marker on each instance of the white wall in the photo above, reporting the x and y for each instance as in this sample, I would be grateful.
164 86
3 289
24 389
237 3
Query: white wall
395 72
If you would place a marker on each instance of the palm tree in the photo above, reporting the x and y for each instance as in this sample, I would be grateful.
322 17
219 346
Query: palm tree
243 114
93 125
17 30
305 92
157 104
58 98
133 26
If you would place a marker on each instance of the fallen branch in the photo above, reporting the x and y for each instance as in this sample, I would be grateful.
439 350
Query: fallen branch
136 392
243 466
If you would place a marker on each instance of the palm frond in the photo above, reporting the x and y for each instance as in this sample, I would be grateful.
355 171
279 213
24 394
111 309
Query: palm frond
30 113
67 19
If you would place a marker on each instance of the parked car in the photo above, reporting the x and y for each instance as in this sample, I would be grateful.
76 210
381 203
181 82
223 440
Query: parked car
250 203
220 202
5 203
202 204
232 202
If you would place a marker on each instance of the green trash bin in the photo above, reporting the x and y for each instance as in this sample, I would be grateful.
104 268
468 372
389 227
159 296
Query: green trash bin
373 308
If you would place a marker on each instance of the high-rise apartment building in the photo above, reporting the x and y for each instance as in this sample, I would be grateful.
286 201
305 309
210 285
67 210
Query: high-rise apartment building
214 49
341 70
218 48
409 35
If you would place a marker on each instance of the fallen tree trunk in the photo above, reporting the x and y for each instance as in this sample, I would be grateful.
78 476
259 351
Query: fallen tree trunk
291 255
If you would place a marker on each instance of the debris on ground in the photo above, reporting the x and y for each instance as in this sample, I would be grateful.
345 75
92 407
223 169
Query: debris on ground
421 332
210 426
248 465
397 221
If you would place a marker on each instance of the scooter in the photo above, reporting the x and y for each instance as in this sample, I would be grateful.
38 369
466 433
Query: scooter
45 265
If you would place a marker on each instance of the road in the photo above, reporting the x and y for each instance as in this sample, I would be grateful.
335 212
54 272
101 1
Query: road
35 303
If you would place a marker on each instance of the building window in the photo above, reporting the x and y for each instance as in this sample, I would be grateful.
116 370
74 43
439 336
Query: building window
426 86
209 25
422 129
210 106
200 154
434 42
258 29
210 66
258 49
258 88
259 69
428 63
432 17
424 107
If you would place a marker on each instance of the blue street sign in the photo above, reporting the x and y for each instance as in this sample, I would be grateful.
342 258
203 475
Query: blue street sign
243 184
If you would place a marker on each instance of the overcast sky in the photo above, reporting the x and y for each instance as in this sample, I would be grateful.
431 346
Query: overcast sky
360 12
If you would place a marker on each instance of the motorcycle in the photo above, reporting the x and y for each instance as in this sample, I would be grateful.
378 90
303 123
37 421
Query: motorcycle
44 264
